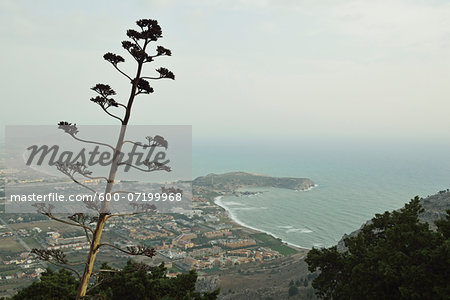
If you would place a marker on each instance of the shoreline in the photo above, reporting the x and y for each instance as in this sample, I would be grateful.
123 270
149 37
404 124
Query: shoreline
308 189
234 219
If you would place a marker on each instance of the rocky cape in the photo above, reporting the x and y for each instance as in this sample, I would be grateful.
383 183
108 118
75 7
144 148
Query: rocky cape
235 180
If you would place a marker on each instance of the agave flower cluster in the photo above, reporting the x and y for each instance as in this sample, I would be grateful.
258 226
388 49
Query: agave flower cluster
104 99
71 169
156 166
137 47
68 127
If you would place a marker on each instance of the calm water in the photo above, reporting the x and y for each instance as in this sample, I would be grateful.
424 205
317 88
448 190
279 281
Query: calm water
355 181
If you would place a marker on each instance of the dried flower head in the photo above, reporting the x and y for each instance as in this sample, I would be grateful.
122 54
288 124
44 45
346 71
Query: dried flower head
113 58
68 127
165 73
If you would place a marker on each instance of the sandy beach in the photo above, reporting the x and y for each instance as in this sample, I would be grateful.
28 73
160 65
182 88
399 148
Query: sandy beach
251 230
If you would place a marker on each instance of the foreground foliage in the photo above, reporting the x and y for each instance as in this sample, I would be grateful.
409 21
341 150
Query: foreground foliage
133 282
392 257
60 285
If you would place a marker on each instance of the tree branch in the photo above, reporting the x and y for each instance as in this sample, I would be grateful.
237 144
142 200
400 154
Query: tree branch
120 104
106 271
123 192
66 267
58 255
83 185
141 144
153 78
139 250
95 177
112 246
80 218
92 142
123 73
87 235
140 169
136 42
132 55
68 223
46 211
124 214
114 116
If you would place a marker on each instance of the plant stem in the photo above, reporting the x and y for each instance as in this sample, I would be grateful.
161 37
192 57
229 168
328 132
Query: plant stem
93 250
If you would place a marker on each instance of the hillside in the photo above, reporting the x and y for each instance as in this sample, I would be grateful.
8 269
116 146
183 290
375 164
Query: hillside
235 180
270 280
435 208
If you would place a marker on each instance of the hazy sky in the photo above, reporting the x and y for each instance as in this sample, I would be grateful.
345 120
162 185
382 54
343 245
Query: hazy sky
244 69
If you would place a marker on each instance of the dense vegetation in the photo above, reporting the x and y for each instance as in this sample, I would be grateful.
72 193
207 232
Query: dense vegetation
392 257
273 243
133 282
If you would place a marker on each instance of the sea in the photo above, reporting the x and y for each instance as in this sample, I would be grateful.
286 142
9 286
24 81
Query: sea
354 179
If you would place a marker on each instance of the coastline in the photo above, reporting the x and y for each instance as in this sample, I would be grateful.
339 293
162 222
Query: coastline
308 189
234 219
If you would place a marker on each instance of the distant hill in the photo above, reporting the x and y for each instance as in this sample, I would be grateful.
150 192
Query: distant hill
234 180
